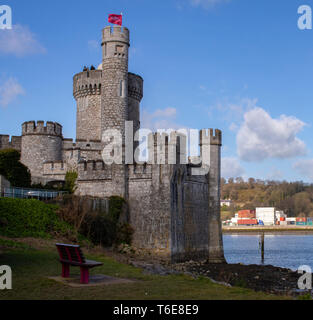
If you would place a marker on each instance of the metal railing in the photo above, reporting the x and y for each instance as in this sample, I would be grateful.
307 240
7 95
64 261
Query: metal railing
21 193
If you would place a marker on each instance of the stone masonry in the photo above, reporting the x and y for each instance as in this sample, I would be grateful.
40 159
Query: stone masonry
174 213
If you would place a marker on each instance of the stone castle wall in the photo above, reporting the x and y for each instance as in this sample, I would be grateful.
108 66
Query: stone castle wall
87 92
14 143
40 144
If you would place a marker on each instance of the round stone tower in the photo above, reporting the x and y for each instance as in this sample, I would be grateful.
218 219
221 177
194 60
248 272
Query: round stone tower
40 143
114 96
135 94
87 92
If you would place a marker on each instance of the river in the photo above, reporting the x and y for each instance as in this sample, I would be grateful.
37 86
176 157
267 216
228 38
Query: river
281 250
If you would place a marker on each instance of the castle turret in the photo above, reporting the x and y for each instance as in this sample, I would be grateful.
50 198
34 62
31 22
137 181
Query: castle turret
212 142
40 143
135 94
87 92
114 96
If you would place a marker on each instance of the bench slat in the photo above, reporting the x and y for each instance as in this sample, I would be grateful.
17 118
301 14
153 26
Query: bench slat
73 255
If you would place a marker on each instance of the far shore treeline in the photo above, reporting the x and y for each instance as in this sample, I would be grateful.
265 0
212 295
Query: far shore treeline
294 198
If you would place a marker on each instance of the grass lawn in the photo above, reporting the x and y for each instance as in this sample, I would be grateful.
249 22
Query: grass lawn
32 267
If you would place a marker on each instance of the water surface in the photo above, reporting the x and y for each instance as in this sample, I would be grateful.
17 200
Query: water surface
281 250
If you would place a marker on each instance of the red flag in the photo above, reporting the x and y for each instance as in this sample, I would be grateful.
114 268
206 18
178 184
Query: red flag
116 19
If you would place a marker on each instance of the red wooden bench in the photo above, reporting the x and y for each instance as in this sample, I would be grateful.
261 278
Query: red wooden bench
71 255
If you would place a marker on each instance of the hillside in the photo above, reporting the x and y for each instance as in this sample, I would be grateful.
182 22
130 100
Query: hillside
294 198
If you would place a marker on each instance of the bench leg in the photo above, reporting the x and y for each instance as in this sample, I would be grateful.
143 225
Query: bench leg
65 270
84 275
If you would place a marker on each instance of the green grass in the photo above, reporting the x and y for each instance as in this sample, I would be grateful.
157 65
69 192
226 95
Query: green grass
31 269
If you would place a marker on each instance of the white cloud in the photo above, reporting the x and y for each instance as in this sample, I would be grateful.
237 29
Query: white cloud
19 41
160 119
9 91
231 168
233 111
206 4
261 137
304 168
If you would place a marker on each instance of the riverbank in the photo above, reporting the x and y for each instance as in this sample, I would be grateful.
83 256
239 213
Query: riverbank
34 261
268 229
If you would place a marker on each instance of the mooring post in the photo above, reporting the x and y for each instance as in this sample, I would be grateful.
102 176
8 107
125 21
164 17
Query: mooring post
262 246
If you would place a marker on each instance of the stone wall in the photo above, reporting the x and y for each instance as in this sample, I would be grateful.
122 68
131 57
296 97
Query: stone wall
189 216
40 144
149 205
87 92
14 143
135 94
54 170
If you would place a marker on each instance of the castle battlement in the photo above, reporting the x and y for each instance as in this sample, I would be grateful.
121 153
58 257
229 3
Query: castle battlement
115 34
68 144
167 148
39 128
87 83
140 171
14 143
54 168
212 137
94 170
135 86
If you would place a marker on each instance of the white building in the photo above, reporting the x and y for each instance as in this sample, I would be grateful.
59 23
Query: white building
234 221
266 215
226 203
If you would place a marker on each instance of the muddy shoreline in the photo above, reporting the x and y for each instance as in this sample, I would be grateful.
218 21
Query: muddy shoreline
265 278
268 279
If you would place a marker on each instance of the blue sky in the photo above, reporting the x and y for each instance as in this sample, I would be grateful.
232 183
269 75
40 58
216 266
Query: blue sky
238 65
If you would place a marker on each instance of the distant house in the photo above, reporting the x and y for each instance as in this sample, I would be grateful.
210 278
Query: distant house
226 203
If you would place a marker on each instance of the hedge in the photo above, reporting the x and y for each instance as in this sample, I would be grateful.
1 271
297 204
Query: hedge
31 218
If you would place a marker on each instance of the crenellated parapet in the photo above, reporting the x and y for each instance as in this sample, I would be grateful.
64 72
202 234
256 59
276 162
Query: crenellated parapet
14 143
140 171
210 137
87 83
135 86
93 171
54 168
115 34
164 148
39 128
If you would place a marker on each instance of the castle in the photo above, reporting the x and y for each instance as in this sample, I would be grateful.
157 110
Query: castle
173 213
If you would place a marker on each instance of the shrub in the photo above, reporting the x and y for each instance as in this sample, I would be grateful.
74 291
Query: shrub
31 218
70 181
92 221
124 234
13 170
116 205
